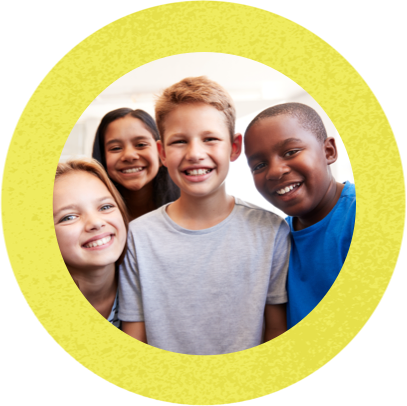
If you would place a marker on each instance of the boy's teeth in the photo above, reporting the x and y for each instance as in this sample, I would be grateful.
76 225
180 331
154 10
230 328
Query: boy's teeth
132 170
198 172
97 243
287 189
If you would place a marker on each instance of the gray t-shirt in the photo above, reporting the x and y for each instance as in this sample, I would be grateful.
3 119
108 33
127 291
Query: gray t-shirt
204 292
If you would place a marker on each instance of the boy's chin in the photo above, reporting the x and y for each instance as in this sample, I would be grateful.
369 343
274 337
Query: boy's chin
202 192
287 210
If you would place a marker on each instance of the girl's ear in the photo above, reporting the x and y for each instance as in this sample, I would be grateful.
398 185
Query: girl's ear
161 152
331 153
236 147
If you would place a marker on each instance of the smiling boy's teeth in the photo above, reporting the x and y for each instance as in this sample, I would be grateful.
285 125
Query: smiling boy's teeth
196 172
97 243
132 170
287 189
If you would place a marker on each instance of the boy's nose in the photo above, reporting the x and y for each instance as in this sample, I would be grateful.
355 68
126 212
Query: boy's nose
195 151
276 170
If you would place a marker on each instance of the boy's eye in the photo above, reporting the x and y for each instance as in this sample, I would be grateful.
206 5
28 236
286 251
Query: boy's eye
178 142
209 139
258 167
141 145
292 152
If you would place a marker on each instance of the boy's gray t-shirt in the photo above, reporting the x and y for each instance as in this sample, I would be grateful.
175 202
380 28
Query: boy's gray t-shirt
203 292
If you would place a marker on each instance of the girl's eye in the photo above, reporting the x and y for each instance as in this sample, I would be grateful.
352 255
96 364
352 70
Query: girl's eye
106 207
114 149
258 167
70 217
178 142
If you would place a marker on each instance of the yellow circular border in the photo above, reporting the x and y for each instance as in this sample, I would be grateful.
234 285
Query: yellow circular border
123 46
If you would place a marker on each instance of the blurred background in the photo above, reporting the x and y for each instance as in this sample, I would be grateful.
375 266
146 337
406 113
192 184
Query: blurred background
252 85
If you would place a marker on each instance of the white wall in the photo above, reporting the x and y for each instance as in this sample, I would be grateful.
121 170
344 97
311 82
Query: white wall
252 85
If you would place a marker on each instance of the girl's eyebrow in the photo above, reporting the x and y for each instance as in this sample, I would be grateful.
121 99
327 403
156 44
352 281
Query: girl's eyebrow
74 206
135 138
69 207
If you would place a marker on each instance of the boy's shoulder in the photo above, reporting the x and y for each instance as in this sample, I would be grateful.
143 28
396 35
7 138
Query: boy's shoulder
146 220
256 215
345 207
349 191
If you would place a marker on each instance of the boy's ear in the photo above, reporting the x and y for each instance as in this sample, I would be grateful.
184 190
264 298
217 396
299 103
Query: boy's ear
331 153
236 147
161 152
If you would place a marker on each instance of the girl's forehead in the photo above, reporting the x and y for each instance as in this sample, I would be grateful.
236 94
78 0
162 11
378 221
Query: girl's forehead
79 183
125 127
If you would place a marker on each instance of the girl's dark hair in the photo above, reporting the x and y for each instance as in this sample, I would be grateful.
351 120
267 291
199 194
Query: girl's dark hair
165 190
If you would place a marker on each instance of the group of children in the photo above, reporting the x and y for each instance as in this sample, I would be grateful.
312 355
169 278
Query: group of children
203 272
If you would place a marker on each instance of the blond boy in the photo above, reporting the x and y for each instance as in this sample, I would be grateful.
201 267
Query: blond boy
203 273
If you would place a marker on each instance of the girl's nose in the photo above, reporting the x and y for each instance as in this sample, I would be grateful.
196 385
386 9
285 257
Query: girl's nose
94 222
130 154
277 168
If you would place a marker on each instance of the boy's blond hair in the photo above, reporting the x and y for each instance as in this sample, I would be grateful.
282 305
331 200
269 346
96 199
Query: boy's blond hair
195 90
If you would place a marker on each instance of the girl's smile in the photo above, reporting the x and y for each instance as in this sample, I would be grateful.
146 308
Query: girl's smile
99 242
88 224
131 153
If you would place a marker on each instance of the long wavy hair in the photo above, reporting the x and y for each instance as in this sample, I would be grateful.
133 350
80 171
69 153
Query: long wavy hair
164 189
95 168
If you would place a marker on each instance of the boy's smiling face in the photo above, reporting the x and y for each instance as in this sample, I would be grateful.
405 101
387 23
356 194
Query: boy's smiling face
290 165
197 149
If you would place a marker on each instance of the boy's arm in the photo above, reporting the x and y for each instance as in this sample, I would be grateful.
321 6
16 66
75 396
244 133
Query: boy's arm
275 310
131 312
275 321
135 329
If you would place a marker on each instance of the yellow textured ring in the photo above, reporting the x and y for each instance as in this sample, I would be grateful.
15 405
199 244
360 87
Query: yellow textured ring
103 58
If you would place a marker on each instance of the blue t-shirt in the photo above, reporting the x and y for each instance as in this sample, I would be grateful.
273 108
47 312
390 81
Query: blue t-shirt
317 255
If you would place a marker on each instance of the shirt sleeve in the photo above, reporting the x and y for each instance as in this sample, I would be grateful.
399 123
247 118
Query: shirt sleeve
277 291
130 298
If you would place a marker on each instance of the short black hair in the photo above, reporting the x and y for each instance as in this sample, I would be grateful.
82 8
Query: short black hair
307 117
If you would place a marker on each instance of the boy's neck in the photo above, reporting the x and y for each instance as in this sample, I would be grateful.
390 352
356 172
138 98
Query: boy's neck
139 202
199 213
98 285
327 203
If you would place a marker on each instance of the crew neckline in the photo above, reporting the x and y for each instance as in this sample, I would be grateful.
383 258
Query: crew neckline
209 230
